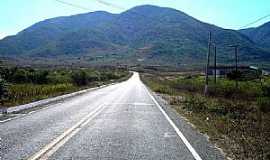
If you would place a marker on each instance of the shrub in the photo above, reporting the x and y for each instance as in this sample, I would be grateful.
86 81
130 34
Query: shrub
25 75
264 104
19 76
266 91
3 90
59 78
38 77
80 78
163 89
107 75
93 76
189 84
234 75
196 103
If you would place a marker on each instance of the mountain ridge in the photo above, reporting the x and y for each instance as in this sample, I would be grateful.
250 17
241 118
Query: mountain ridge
260 34
171 37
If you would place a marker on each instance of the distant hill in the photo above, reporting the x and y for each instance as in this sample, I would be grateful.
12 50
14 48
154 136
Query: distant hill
147 35
260 35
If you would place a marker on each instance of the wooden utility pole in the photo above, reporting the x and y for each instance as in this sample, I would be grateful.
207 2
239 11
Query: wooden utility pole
207 65
236 63
215 63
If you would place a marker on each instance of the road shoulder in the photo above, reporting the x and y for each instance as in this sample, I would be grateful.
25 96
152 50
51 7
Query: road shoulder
199 141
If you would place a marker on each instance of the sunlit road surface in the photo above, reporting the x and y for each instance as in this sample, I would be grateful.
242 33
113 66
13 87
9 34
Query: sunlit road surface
118 122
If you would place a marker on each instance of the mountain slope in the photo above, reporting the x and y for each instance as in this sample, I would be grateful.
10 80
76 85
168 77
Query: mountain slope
144 34
260 35
51 30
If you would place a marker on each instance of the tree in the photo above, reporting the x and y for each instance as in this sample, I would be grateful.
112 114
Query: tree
39 77
20 76
80 78
235 75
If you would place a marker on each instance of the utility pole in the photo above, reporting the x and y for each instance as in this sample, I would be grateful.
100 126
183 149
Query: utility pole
236 63
207 65
215 63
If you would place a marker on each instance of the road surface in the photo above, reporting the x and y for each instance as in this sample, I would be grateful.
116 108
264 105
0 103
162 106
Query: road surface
119 122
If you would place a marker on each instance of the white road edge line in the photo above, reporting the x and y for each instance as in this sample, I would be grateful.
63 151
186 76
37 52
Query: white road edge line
54 145
16 117
180 134
6 120
29 113
53 104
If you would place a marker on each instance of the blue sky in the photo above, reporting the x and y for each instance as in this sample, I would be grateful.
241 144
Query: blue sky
16 15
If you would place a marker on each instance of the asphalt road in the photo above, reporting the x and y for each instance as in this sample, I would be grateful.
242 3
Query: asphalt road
119 122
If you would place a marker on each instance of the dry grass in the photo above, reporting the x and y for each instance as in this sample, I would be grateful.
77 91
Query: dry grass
235 123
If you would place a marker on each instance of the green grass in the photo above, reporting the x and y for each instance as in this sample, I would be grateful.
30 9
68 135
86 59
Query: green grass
224 88
237 120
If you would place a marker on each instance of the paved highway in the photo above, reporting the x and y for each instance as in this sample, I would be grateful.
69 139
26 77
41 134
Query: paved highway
119 122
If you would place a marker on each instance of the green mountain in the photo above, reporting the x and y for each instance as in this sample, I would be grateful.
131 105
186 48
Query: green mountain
260 35
147 35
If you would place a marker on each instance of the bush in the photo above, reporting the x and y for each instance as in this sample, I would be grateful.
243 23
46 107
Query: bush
266 91
80 78
189 84
107 75
235 75
3 90
264 104
19 76
93 76
59 78
163 89
196 104
38 77
27 84
25 75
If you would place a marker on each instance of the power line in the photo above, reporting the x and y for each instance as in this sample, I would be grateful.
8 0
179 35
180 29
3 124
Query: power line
122 8
74 5
101 2
131 11
111 4
257 20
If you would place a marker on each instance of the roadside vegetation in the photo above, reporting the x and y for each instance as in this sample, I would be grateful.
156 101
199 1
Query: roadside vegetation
236 119
24 85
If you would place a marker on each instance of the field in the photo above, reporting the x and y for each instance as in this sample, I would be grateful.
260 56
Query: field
236 119
25 85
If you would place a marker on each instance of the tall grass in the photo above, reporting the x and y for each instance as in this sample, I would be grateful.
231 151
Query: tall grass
24 93
247 90
27 84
